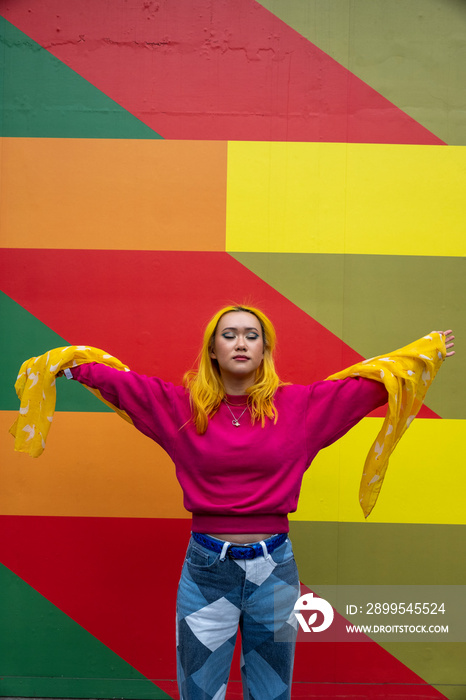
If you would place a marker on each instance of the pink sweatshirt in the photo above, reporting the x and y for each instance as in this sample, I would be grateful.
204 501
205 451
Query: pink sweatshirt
242 479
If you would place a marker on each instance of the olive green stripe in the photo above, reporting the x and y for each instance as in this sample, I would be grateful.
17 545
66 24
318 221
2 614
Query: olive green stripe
379 553
376 303
410 52
452 691
391 554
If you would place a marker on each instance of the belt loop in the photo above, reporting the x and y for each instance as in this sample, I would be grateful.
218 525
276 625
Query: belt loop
264 549
223 553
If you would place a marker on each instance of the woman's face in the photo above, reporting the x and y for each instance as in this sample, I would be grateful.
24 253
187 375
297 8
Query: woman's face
238 345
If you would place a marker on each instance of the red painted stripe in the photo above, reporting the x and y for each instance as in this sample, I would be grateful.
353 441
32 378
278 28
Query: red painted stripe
118 578
214 70
149 308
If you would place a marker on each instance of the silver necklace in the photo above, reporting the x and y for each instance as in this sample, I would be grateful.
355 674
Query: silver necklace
235 420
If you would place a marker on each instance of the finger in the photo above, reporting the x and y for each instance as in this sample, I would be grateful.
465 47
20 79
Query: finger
447 335
444 332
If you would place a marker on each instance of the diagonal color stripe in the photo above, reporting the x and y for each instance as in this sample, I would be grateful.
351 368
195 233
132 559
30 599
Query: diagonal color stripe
95 479
44 653
140 292
346 198
214 70
412 52
25 336
343 291
425 483
114 472
389 554
102 572
42 97
132 301
113 194
108 576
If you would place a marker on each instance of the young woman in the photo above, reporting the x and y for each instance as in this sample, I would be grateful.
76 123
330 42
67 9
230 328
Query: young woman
241 441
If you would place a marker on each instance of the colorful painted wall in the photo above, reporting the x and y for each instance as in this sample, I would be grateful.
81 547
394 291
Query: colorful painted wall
159 160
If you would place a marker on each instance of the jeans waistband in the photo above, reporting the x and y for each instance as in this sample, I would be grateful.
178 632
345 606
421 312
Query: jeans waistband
243 551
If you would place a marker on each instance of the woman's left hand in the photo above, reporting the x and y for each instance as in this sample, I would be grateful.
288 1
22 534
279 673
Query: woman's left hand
449 341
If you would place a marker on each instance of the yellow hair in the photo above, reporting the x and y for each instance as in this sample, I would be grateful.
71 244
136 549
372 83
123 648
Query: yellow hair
205 384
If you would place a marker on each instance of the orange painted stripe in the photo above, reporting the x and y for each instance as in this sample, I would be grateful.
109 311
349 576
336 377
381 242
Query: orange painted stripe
94 465
113 194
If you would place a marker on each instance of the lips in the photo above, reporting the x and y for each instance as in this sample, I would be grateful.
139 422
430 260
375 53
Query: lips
240 357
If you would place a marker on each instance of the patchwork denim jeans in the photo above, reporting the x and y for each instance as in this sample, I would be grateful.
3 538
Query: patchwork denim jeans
215 599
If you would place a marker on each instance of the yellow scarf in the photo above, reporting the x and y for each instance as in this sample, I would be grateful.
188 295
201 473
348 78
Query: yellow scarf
35 388
406 373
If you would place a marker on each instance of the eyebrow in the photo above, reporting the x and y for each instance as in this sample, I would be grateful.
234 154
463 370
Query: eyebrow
235 328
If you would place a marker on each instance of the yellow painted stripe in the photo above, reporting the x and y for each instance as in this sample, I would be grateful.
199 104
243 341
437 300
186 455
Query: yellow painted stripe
113 194
96 465
374 199
425 481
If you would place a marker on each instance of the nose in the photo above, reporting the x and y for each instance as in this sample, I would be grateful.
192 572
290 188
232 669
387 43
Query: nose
241 343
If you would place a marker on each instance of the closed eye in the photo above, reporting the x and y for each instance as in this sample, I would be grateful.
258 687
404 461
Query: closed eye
231 336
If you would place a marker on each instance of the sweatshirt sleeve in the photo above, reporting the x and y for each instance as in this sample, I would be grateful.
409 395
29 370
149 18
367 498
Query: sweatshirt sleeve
335 407
155 407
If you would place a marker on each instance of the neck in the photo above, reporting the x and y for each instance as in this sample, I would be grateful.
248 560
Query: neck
237 386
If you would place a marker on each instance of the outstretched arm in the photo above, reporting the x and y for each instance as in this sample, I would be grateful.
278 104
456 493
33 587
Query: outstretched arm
147 402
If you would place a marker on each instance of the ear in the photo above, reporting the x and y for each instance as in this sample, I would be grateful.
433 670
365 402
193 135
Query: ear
212 355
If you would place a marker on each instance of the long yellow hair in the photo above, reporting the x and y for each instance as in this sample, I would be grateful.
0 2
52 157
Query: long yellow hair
205 384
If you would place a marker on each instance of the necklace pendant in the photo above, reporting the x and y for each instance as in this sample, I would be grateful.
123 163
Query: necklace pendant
235 421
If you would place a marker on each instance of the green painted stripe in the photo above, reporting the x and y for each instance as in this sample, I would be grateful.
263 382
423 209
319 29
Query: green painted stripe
410 52
376 303
44 653
387 554
24 336
42 97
